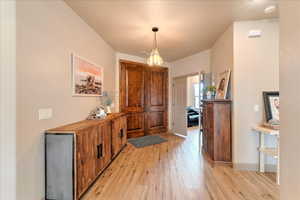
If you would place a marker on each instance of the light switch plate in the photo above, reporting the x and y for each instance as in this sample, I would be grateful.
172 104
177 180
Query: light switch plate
254 33
256 108
45 113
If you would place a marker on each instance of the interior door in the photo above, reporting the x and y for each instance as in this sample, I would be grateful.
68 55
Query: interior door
179 106
156 87
132 97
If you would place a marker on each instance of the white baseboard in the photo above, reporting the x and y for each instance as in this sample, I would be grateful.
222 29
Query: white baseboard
253 167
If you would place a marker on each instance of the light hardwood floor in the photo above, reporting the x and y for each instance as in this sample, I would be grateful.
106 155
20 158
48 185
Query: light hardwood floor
175 170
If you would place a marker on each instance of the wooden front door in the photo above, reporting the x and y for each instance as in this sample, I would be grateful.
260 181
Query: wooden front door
156 100
132 97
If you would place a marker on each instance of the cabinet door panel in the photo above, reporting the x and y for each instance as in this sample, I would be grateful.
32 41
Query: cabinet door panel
210 130
107 143
116 139
119 136
103 147
205 130
86 162
222 136
124 130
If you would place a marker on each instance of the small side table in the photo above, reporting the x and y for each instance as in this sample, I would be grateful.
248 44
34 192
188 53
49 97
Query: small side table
267 151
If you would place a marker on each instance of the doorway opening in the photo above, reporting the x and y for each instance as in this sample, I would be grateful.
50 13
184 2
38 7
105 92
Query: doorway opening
188 93
193 102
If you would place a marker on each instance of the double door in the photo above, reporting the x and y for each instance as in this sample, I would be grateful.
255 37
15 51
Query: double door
144 98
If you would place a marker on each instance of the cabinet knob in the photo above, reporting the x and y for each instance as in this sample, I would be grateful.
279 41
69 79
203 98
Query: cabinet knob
99 151
121 134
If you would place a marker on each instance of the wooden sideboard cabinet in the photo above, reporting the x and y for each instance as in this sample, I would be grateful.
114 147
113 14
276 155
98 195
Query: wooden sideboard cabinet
76 154
217 131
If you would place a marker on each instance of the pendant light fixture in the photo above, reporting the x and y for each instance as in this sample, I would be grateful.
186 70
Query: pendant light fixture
154 58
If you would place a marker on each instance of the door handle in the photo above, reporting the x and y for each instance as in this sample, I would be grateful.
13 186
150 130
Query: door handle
99 151
121 134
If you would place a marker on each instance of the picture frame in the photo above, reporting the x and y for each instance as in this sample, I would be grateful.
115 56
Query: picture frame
87 77
223 84
272 104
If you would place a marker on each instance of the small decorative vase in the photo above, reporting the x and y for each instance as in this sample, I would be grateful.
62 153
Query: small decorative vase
108 110
208 94
213 95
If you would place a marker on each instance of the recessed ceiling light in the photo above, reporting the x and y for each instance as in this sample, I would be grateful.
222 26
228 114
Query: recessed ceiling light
270 9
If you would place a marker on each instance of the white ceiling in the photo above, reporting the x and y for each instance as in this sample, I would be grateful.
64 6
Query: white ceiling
186 26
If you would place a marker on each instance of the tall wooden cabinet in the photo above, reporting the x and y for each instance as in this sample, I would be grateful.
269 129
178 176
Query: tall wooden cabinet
76 154
144 97
217 131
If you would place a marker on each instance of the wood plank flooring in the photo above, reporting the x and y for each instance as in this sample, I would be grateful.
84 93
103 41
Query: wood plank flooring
175 170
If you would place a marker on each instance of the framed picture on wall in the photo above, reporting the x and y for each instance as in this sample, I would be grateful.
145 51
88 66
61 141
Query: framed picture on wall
272 103
222 87
87 77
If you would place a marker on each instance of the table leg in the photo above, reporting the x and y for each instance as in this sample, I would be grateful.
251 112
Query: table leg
278 161
261 154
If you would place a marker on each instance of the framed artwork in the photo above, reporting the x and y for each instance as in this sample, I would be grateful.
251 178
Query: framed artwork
271 102
87 77
222 87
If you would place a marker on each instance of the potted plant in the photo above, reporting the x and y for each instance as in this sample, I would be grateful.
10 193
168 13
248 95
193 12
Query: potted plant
211 92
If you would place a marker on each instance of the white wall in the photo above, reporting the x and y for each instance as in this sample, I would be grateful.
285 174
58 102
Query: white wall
222 54
7 100
187 66
289 99
256 69
47 32
191 65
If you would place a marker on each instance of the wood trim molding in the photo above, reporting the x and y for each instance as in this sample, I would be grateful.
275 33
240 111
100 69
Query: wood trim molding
8 99
139 63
